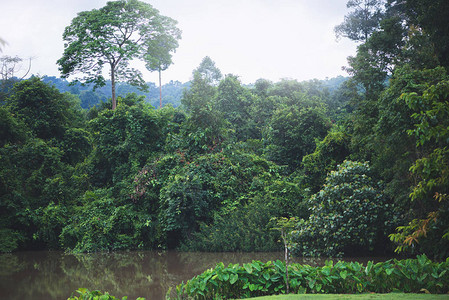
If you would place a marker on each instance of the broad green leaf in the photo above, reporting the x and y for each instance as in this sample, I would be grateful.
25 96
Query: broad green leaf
266 276
389 271
248 268
234 278
326 270
312 283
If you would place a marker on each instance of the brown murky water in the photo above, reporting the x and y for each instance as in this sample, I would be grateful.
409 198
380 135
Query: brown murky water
53 275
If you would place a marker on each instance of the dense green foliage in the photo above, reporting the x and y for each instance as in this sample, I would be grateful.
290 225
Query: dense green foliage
329 152
389 296
399 103
139 178
349 159
85 294
260 279
349 215
431 111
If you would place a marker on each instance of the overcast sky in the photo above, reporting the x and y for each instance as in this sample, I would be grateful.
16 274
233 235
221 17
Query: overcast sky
252 39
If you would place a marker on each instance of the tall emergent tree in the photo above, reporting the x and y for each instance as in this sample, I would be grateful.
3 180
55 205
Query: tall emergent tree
114 35
209 71
432 16
159 54
362 21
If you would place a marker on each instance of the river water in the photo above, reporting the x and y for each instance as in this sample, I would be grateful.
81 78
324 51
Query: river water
54 275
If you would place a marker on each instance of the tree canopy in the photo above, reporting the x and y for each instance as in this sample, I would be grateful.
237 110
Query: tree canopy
362 21
114 35
359 165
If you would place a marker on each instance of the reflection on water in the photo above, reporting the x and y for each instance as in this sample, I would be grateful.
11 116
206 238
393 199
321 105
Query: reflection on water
55 275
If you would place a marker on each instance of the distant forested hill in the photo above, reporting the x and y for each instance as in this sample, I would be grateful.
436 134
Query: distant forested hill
334 83
171 92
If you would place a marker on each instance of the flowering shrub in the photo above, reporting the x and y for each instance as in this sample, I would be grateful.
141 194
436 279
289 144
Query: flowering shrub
347 215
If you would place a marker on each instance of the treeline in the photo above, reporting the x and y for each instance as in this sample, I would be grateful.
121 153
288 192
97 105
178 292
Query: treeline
140 178
89 97
171 92
348 165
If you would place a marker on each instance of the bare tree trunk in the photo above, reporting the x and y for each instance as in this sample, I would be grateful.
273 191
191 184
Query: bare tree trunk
114 101
160 89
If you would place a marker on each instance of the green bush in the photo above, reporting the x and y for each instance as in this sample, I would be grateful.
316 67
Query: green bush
199 189
85 294
329 152
261 279
247 227
216 201
349 215
50 220
45 110
100 224
10 240
243 229
291 134
123 140
26 173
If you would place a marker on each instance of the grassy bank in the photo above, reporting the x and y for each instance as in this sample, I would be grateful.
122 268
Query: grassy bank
391 296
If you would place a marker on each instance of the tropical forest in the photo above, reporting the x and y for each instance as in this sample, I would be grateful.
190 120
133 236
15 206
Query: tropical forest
355 165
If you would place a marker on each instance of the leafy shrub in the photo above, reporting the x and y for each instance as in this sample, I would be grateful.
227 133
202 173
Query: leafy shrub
46 111
291 134
76 145
100 224
429 230
10 240
260 279
50 220
247 227
186 192
85 294
25 175
243 229
216 201
350 214
329 152
123 140
12 129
